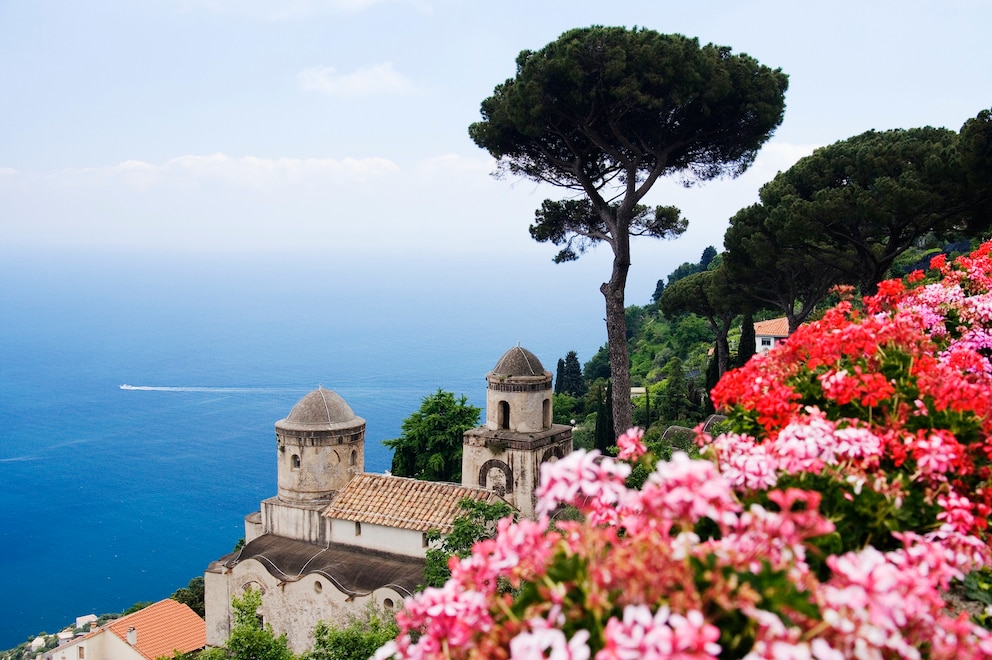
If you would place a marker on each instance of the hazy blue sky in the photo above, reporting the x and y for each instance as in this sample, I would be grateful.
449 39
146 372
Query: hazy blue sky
340 126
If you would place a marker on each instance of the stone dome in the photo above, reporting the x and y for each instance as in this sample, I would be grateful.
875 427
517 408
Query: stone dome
321 410
518 362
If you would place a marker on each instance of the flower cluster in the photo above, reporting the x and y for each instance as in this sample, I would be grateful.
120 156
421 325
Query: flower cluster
890 398
852 490
682 570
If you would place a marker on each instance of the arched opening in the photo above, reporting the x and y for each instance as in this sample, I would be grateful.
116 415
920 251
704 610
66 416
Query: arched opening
354 457
388 603
296 461
546 417
318 587
504 415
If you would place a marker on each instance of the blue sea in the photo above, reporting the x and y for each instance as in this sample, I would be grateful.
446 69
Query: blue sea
110 496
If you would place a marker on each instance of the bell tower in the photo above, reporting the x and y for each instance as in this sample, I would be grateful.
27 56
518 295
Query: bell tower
505 455
320 447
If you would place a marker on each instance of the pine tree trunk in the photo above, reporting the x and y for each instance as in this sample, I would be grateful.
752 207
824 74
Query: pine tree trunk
616 337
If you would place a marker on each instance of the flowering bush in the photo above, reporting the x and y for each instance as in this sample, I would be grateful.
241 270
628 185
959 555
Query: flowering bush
880 416
886 410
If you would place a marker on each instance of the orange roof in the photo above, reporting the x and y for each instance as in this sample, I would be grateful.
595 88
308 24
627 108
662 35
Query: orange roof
772 327
163 628
401 502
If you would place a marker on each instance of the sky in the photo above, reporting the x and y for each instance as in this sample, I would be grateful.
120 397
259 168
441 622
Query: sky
338 128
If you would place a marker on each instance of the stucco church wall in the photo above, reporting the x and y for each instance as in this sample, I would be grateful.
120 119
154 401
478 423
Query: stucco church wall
217 604
407 542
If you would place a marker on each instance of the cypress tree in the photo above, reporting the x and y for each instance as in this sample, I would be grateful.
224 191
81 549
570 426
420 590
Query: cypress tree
746 348
571 370
604 419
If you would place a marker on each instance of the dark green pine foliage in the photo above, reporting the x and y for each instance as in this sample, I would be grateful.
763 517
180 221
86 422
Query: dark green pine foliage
603 113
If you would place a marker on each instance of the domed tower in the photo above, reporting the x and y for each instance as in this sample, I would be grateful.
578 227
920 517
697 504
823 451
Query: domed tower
506 454
321 447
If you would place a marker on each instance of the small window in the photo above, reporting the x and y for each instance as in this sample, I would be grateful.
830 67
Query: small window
766 341
82 652
423 539
354 457
318 587
387 603
358 529
296 461
504 415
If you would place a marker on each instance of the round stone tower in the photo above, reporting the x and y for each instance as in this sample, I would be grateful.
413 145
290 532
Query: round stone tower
321 447
519 394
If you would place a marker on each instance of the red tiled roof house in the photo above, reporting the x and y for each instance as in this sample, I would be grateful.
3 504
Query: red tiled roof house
770 333
156 631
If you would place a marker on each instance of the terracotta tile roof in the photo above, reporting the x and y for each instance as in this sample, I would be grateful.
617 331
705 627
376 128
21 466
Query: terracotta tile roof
162 628
390 501
772 327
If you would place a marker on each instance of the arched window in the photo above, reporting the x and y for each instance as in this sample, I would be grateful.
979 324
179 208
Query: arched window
354 457
296 461
547 414
504 415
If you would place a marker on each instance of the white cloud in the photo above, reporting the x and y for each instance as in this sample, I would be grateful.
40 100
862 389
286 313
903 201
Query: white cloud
246 171
449 165
444 204
8 171
370 80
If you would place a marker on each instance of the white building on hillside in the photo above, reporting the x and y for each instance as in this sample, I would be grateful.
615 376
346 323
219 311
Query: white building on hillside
768 334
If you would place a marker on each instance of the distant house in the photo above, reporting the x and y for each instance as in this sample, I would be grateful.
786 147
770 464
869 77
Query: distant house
768 334
83 621
156 631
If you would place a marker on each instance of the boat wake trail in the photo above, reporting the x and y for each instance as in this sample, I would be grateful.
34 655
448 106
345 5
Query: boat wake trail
162 388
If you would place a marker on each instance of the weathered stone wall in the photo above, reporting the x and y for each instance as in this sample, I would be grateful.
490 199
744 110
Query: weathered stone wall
293 608
525 396
297 520
510 463
253 526
313 464
217 604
